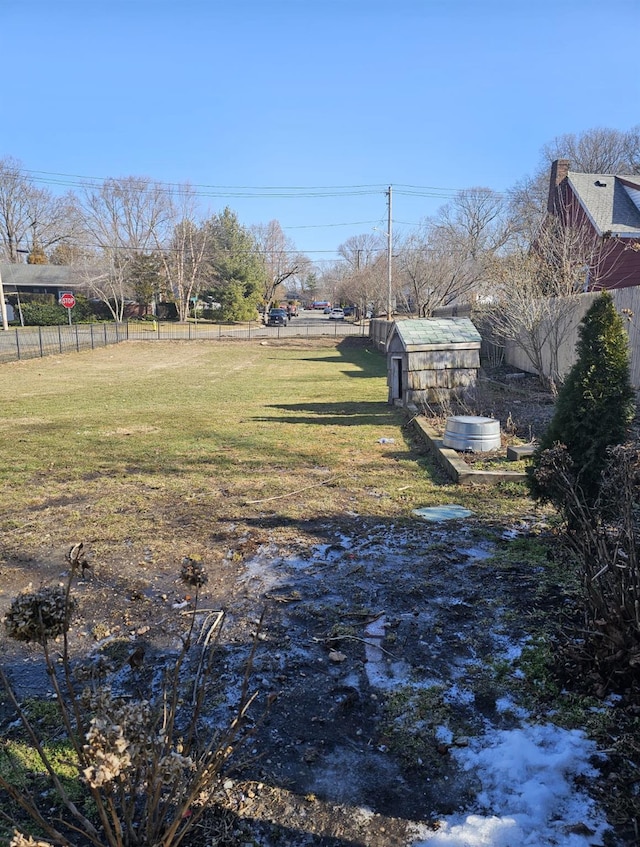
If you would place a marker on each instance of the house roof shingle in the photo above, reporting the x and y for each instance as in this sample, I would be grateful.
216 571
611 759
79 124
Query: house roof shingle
43 275
612 202
418 333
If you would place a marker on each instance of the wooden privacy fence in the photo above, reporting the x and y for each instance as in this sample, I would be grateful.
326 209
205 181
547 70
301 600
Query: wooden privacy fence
379 332
627 303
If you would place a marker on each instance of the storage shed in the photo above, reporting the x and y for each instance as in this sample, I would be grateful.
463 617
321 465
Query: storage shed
430 357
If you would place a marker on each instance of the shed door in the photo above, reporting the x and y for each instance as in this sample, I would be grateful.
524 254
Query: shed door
396 378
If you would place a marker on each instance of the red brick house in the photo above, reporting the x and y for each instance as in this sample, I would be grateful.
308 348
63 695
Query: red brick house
608 206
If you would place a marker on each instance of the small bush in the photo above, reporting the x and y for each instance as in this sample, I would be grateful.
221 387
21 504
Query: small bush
42 314
604 539
211 314
594 407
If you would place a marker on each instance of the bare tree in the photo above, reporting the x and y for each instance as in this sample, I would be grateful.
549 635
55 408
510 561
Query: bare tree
30 218
536 290
122 218
185 253
523 314
476 222
361 251
14 208
597 151
436 271
447 259
527 208
280 258
360 277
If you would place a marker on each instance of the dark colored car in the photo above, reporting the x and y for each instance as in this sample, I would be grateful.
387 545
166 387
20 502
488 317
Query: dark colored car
277 317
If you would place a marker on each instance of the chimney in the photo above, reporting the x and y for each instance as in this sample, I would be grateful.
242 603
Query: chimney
559 172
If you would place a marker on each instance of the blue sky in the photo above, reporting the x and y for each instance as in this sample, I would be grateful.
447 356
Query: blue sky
300 94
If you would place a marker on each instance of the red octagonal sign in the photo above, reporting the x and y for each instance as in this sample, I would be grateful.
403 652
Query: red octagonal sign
67 300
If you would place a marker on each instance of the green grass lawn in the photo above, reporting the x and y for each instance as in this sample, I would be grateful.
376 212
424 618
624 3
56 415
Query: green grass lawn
150 440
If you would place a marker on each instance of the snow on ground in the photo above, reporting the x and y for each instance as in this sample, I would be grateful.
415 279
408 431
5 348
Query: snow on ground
527 780
527 793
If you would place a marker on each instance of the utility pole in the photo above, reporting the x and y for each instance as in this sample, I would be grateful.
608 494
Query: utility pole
3 308
389 256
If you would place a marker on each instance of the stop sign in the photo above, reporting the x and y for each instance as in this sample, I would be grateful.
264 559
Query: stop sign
67 300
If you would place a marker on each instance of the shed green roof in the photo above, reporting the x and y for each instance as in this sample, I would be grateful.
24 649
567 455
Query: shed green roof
418 333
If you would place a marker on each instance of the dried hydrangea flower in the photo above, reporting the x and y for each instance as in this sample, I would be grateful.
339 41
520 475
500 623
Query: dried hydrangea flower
193 572
20 840
123 738
39 615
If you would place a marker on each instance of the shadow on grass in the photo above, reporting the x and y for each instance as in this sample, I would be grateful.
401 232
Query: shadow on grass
357 351
335 414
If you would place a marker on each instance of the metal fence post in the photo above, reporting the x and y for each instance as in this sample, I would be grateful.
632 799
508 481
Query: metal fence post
18 343
91 333
77 339
60 338
40 341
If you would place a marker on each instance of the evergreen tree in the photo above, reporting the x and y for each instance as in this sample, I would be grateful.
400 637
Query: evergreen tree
595 405
236 270
144 274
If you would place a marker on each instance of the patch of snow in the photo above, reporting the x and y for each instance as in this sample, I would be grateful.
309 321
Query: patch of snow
382 671
482 551
527 792
505 705
456 694
444 735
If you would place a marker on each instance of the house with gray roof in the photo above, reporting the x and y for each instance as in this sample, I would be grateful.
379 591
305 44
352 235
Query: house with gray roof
37 279
431 358
609 205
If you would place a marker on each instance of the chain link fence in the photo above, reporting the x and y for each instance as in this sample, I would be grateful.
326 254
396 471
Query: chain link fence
37 341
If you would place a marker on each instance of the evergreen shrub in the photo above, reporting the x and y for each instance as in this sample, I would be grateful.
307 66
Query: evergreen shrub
594 407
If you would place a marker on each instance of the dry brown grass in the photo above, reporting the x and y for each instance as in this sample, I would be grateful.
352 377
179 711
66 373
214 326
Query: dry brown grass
155 445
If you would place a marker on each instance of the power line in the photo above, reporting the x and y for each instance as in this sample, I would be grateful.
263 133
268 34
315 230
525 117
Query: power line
252 191
246 192
323 226
205 190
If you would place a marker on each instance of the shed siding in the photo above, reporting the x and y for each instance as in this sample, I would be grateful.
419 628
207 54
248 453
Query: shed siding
448 379
443 359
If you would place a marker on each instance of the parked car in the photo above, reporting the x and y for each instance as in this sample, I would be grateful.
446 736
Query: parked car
327 310
349 310
336 315
277 317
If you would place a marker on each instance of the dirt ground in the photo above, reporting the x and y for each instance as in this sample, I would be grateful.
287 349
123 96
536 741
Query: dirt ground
360 667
